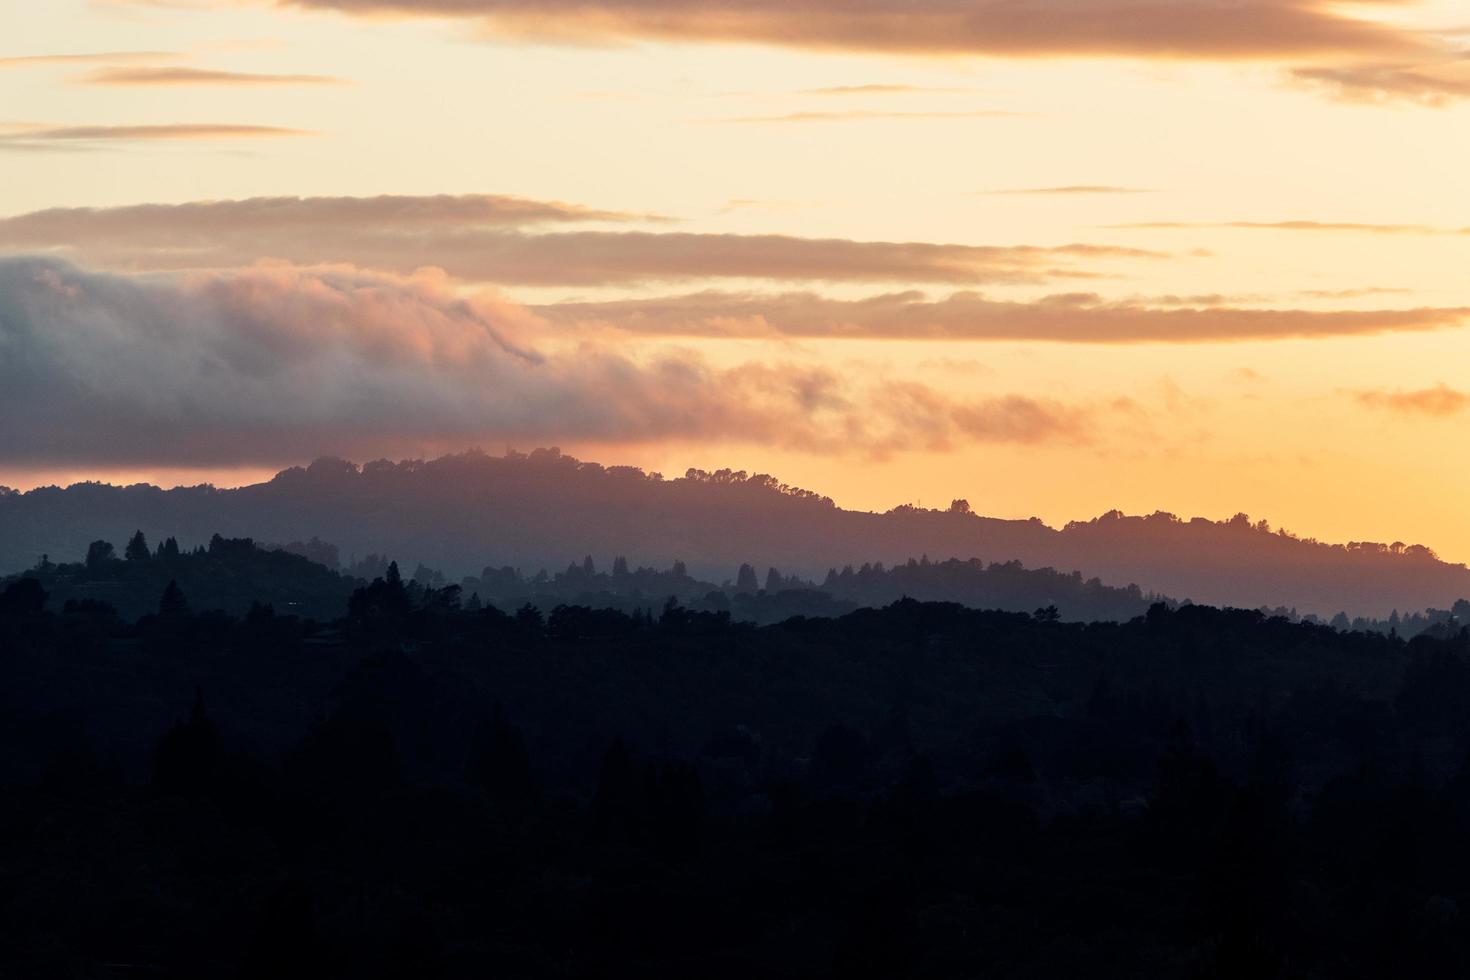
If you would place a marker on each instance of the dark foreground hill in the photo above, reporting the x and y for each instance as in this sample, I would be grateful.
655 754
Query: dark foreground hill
916 791
463 513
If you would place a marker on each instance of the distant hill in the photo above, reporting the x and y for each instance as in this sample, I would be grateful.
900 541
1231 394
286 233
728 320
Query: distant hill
1007 587
461 513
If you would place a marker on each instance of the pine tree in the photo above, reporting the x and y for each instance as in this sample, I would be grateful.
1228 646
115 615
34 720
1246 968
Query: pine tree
172 604
137 549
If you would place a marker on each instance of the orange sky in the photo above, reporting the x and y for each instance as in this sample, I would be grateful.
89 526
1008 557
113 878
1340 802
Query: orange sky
1056 258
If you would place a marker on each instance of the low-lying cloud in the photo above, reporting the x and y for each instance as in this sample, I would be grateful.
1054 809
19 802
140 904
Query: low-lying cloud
261 366
1077 318
483 238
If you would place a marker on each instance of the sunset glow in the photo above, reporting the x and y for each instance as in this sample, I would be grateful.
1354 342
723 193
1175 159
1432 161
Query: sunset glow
1180 256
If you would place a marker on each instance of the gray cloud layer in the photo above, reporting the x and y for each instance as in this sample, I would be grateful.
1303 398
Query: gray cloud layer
271 365
485 239
970 316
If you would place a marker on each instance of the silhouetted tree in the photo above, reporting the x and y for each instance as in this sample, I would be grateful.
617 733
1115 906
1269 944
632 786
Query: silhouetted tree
137 549
99 553
172 604
23 597
189 758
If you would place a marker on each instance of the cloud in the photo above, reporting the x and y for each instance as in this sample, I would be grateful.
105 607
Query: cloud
1431 85
205 221
1068 189
174 75
880 89
481 238
1316 226
40 137
1357 293
263 366
98 57
1077 318
864 115
1167 29
1440 401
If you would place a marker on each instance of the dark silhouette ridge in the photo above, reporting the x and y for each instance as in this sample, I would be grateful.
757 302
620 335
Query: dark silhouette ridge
531 511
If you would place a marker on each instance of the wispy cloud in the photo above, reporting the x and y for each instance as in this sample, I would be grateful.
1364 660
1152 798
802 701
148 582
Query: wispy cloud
90 58
1167 29
42 137
1440 400
1355 293
171 75
1319 226
1352 56
1432 85
869 115
880 89
488 239
1070 318
1066 189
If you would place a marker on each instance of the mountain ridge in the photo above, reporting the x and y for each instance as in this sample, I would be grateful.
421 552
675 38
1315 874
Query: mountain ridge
466 511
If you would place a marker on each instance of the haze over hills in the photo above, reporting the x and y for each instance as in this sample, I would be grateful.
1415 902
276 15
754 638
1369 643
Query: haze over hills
465 512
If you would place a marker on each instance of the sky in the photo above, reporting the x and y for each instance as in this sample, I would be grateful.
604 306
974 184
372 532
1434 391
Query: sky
1055 257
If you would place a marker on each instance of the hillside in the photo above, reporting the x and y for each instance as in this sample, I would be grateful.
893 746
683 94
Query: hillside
462 513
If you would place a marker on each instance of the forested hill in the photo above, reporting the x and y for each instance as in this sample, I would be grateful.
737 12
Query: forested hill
234 576
460 513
